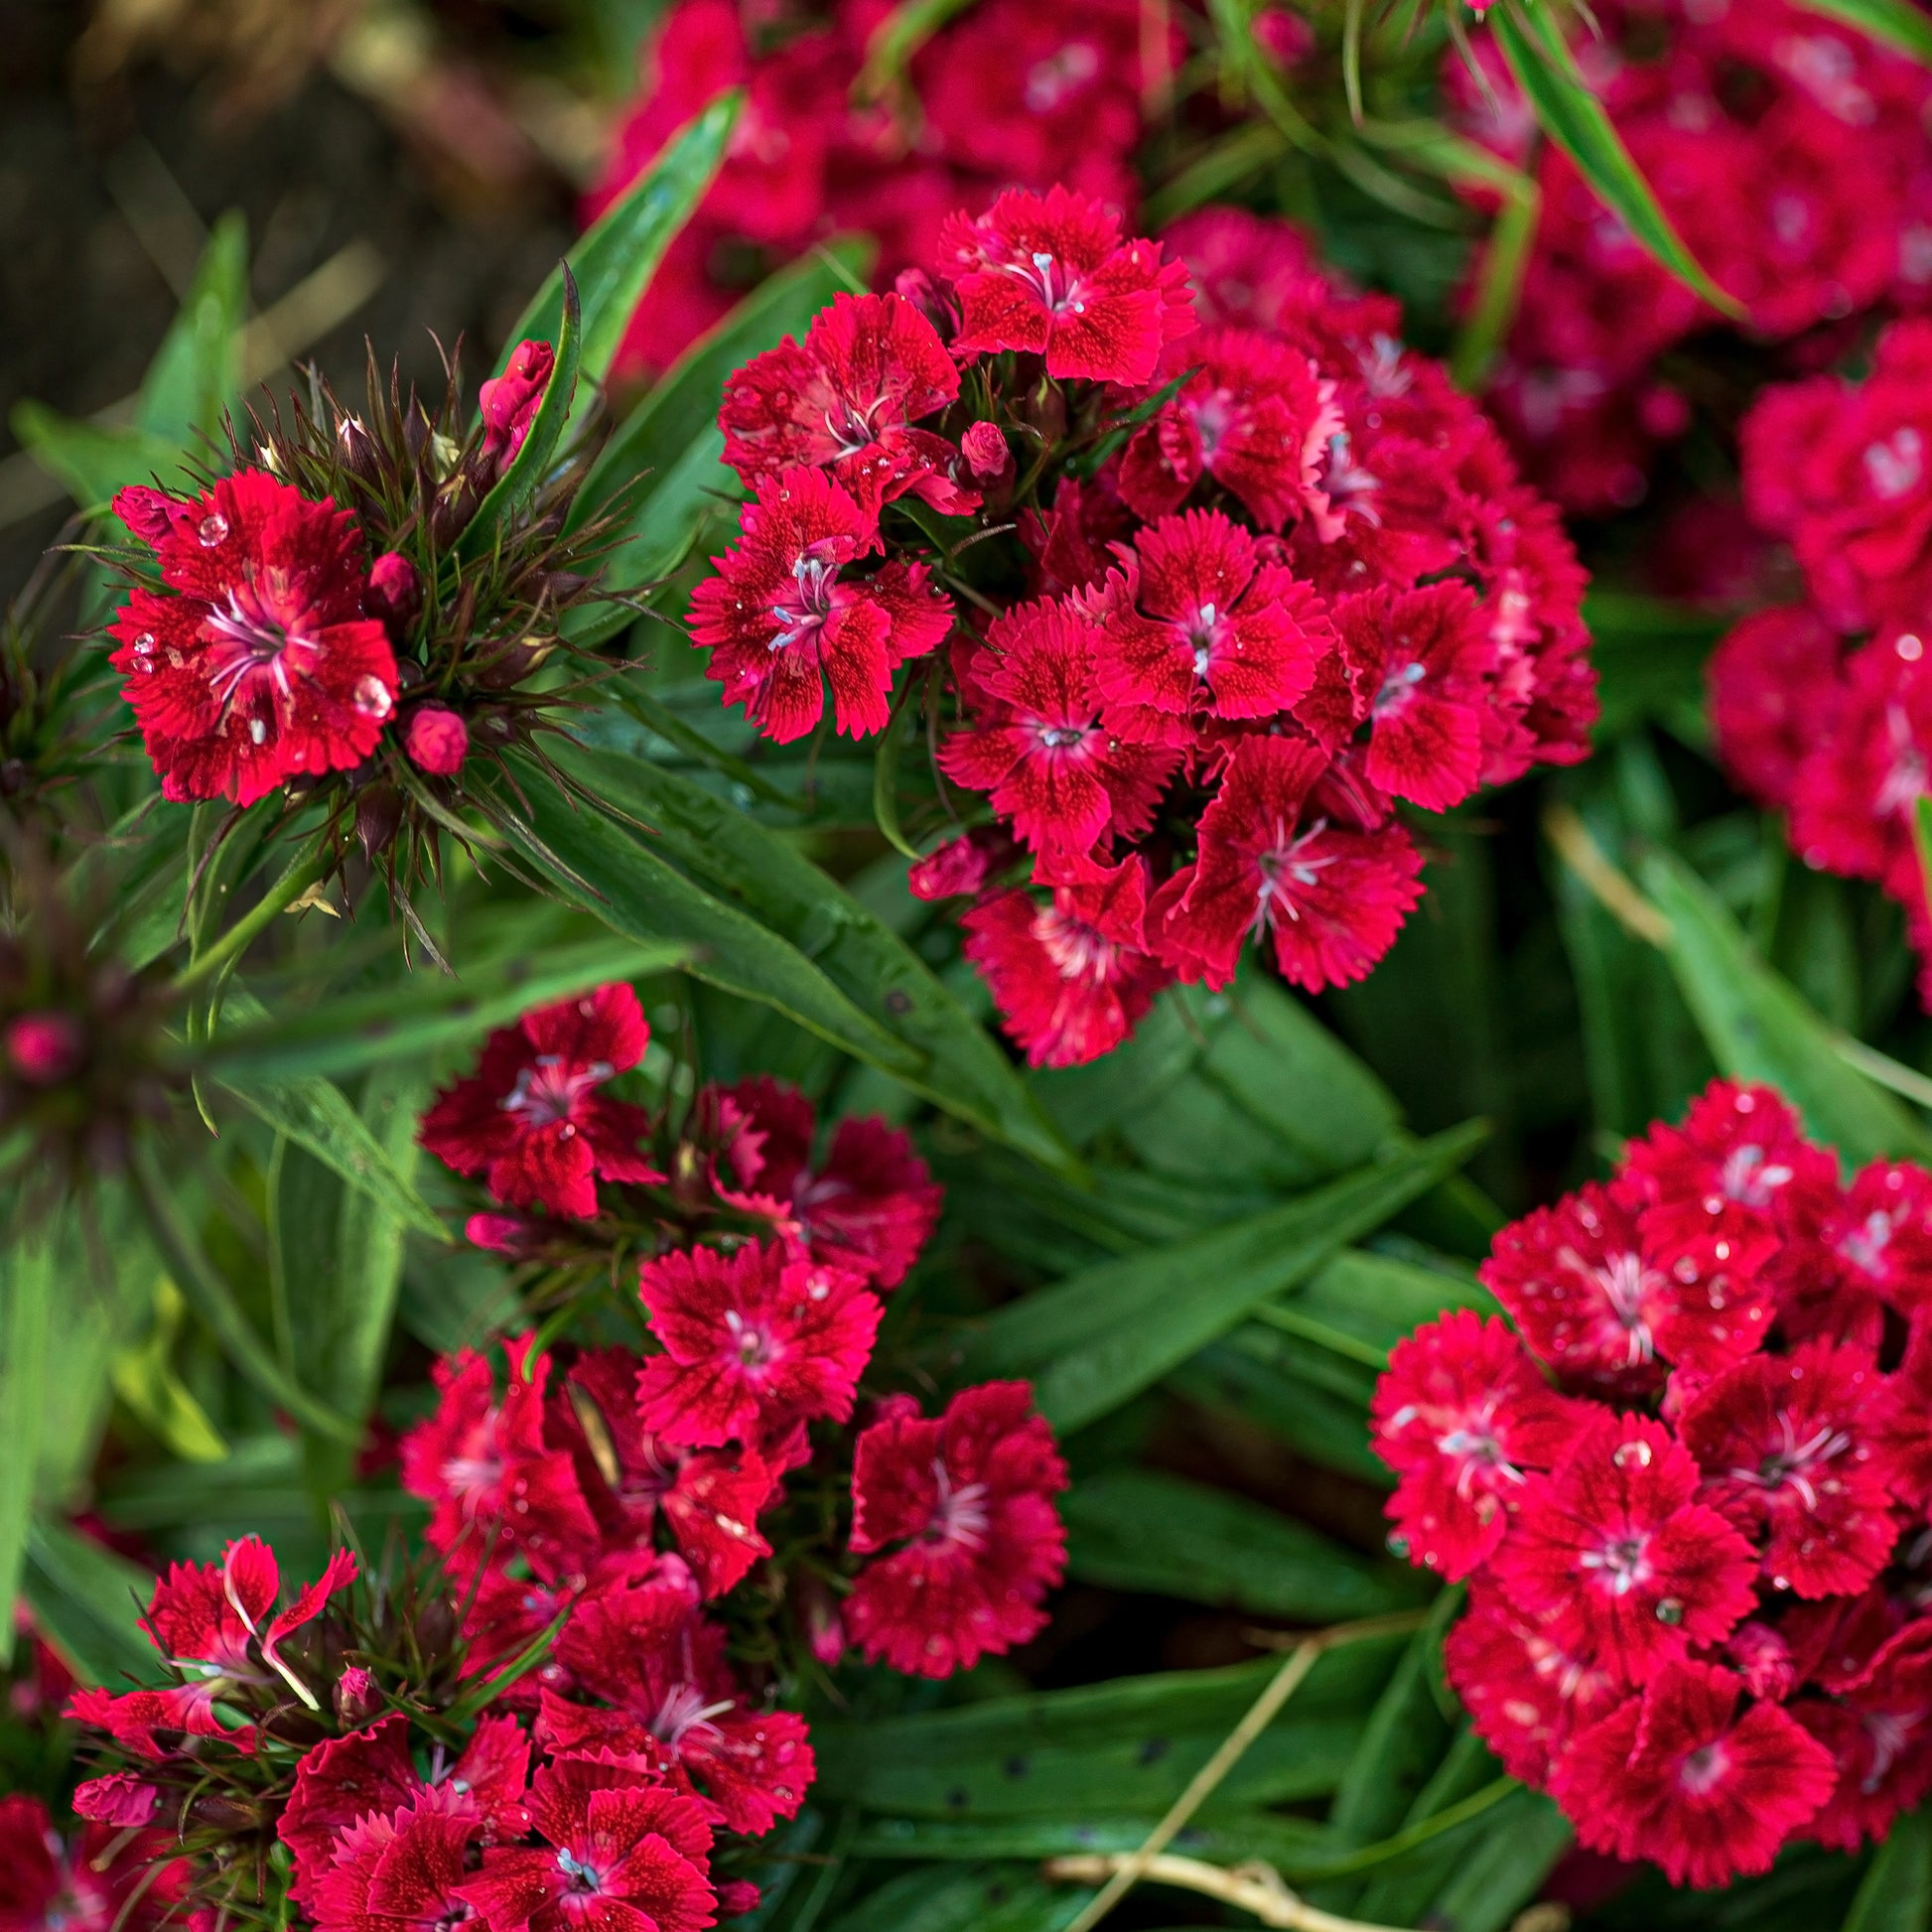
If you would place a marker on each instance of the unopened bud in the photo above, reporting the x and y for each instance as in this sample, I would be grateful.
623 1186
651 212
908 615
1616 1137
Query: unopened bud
394 592
356 1697
510 402
45 1048
356 449
437 739
378 814
986 453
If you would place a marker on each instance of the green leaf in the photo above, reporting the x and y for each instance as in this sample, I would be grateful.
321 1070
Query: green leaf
317 1115
910 1026
1093 1343
90 459
1893 23
1402 1743
1361 1304
1527 1835
1896 1895
87 1603
28 1287
1140 1530
424 1013
1758 1029
1127 1745
195 375
145 1380
206 1293
1291 1844
1000 1899
525 474
614 259
1530 40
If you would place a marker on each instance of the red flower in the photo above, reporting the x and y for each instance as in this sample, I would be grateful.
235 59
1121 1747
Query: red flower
1615 1558
1788 1452
753 1340
1255 415
1426 653
344 1779
845 399
624 1854
494 1479
961 867
1877 1727
1461 1416
106 1880
1041 750
1215 630
645 1649
1525 1694
1331 898
1774 684
260 665
1051 275
1071 978
968 1496
508 403
1597 1300
867 1207
400 1869
530 1119
1685 1780
710 1499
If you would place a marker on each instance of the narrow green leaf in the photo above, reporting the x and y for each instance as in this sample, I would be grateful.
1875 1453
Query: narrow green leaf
526 470
1402 1743
1500 1875
614 259
1140 1530
1291 1844
27 1292
1127 1746
425 1012
146 1381
936 1046
195 375
206 1293
1893 23
1361 1304
1093 1343
1896 1895
900 34
1758 1029
90 459
998 1898
317 1115
1530 40
87 1603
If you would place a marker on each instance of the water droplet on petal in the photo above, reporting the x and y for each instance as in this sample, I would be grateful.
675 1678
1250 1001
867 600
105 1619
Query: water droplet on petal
1628 1455
1670 1609
144 642
214 530
257 730
372 698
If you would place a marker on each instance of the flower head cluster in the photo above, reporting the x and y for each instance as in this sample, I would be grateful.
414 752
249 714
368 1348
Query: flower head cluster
99 1880
1791 153
1006 96
1824 709
1687 1484
1230 577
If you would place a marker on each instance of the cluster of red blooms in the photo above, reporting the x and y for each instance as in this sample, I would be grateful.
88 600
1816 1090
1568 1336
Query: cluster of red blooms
604 1522
1234 572
99 1879
1823 710
1011 94
1791 153
1689 1490
268 648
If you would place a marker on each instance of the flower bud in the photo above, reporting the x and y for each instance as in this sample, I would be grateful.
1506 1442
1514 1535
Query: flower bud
394 592
510 402
356 1697
736 1897
45 1048
986 453
151 514
437 739
378 814
356 449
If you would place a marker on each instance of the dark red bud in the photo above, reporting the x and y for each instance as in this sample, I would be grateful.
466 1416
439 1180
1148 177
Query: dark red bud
509 402
45 1048
986 453
152 514
356 449
437 739
378 813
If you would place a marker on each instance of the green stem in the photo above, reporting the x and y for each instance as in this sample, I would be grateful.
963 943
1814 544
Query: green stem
302 872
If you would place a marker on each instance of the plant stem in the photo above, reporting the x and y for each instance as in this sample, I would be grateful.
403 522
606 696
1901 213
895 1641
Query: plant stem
302 872
1253 1888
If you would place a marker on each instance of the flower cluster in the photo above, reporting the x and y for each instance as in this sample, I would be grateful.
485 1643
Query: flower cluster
1006 96
637 1551
1688 1489
1823 710
1233 576
323 614
98 1881
1792 155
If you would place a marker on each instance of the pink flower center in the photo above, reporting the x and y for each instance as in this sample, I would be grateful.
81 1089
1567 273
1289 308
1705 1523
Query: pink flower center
960 1515
585 1879
1891 1731
1898 464
1213 418
552 1088
1077 951
1792 1463
1051 82
1622 1563
1865 1247
1381 367
1474 1445
260 632
1049 278
685 1710
1750 1178
752 1341
1904 778
1398 688
1062 737
850 426
810 607
1622 1280
1703 1769
1346 484
1287 864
